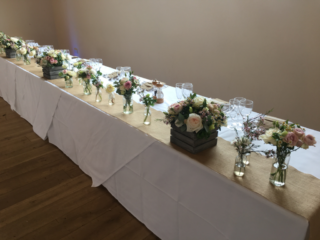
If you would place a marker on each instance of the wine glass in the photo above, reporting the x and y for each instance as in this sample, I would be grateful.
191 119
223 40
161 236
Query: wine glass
187 89
179 90
126 71
246 108
237 101
99 62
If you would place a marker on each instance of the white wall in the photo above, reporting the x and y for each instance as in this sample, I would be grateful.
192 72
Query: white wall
29 19
266 51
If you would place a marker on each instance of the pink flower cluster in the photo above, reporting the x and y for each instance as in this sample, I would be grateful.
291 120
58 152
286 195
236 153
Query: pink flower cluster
127 85
298 138
52 60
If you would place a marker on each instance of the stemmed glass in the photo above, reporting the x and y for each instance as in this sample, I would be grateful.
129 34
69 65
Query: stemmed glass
99 63
187 89
126 71
179 90
246 107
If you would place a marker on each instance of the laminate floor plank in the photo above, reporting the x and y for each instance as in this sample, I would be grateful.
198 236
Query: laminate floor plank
45 196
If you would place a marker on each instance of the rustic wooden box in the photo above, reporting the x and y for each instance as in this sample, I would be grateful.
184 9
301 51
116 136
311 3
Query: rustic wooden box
189 140
52 73
10 53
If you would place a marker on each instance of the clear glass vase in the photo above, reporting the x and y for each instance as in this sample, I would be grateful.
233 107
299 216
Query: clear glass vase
87 88
80 81
127 104
248 158
68 83
18 56
112 99
279 170
26 59
147 116
98 95
240 166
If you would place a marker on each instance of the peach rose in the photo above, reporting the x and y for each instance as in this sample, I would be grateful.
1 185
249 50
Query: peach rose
291 139
194 123
299 132
309 140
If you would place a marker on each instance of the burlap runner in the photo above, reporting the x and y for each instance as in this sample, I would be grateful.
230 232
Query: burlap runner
301 195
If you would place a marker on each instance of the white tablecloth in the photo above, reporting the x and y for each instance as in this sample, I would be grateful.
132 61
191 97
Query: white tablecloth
174 196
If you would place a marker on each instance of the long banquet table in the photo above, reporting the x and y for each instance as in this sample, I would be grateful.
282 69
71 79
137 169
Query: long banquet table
177 195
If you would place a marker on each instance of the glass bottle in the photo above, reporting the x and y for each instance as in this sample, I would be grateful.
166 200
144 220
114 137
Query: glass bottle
240 166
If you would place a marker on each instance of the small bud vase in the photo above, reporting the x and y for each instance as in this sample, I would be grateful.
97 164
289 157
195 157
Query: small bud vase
111 99
279 170
240 166
26 59
87 88
98 95
68 83
127 104
147 116
18 56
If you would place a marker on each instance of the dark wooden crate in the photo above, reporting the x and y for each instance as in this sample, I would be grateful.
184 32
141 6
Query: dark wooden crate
10 53
189 140
47 76
52 73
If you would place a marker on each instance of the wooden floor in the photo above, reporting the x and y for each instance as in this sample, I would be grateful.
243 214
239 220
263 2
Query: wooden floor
44 195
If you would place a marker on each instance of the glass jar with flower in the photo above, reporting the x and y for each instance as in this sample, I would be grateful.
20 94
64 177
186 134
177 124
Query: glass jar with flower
111 97
99 85
243 146
287 137
86 74
126 87
68 77
148 101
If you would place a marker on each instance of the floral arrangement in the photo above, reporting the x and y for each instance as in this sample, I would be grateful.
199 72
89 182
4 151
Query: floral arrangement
127 86
86 74
195 114
99 85
67 75
287 137
110 90
27 51
54 58
11 42
147 101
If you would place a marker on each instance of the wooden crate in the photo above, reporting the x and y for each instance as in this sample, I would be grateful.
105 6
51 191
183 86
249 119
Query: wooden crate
52 73
10 53
189 140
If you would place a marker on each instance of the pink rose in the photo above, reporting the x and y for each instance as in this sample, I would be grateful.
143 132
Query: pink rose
127 85
89 76
309 140
299 143
55 61
65 71
291 139
89 67
52 60
194 123
175 108
299 132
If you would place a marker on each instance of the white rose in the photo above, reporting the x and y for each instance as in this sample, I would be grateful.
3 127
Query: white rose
198 101
267 137
71 73
65 66
93 72
194 123
23 51
8 44
68 57
63 57
13 39
32 53
123 80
